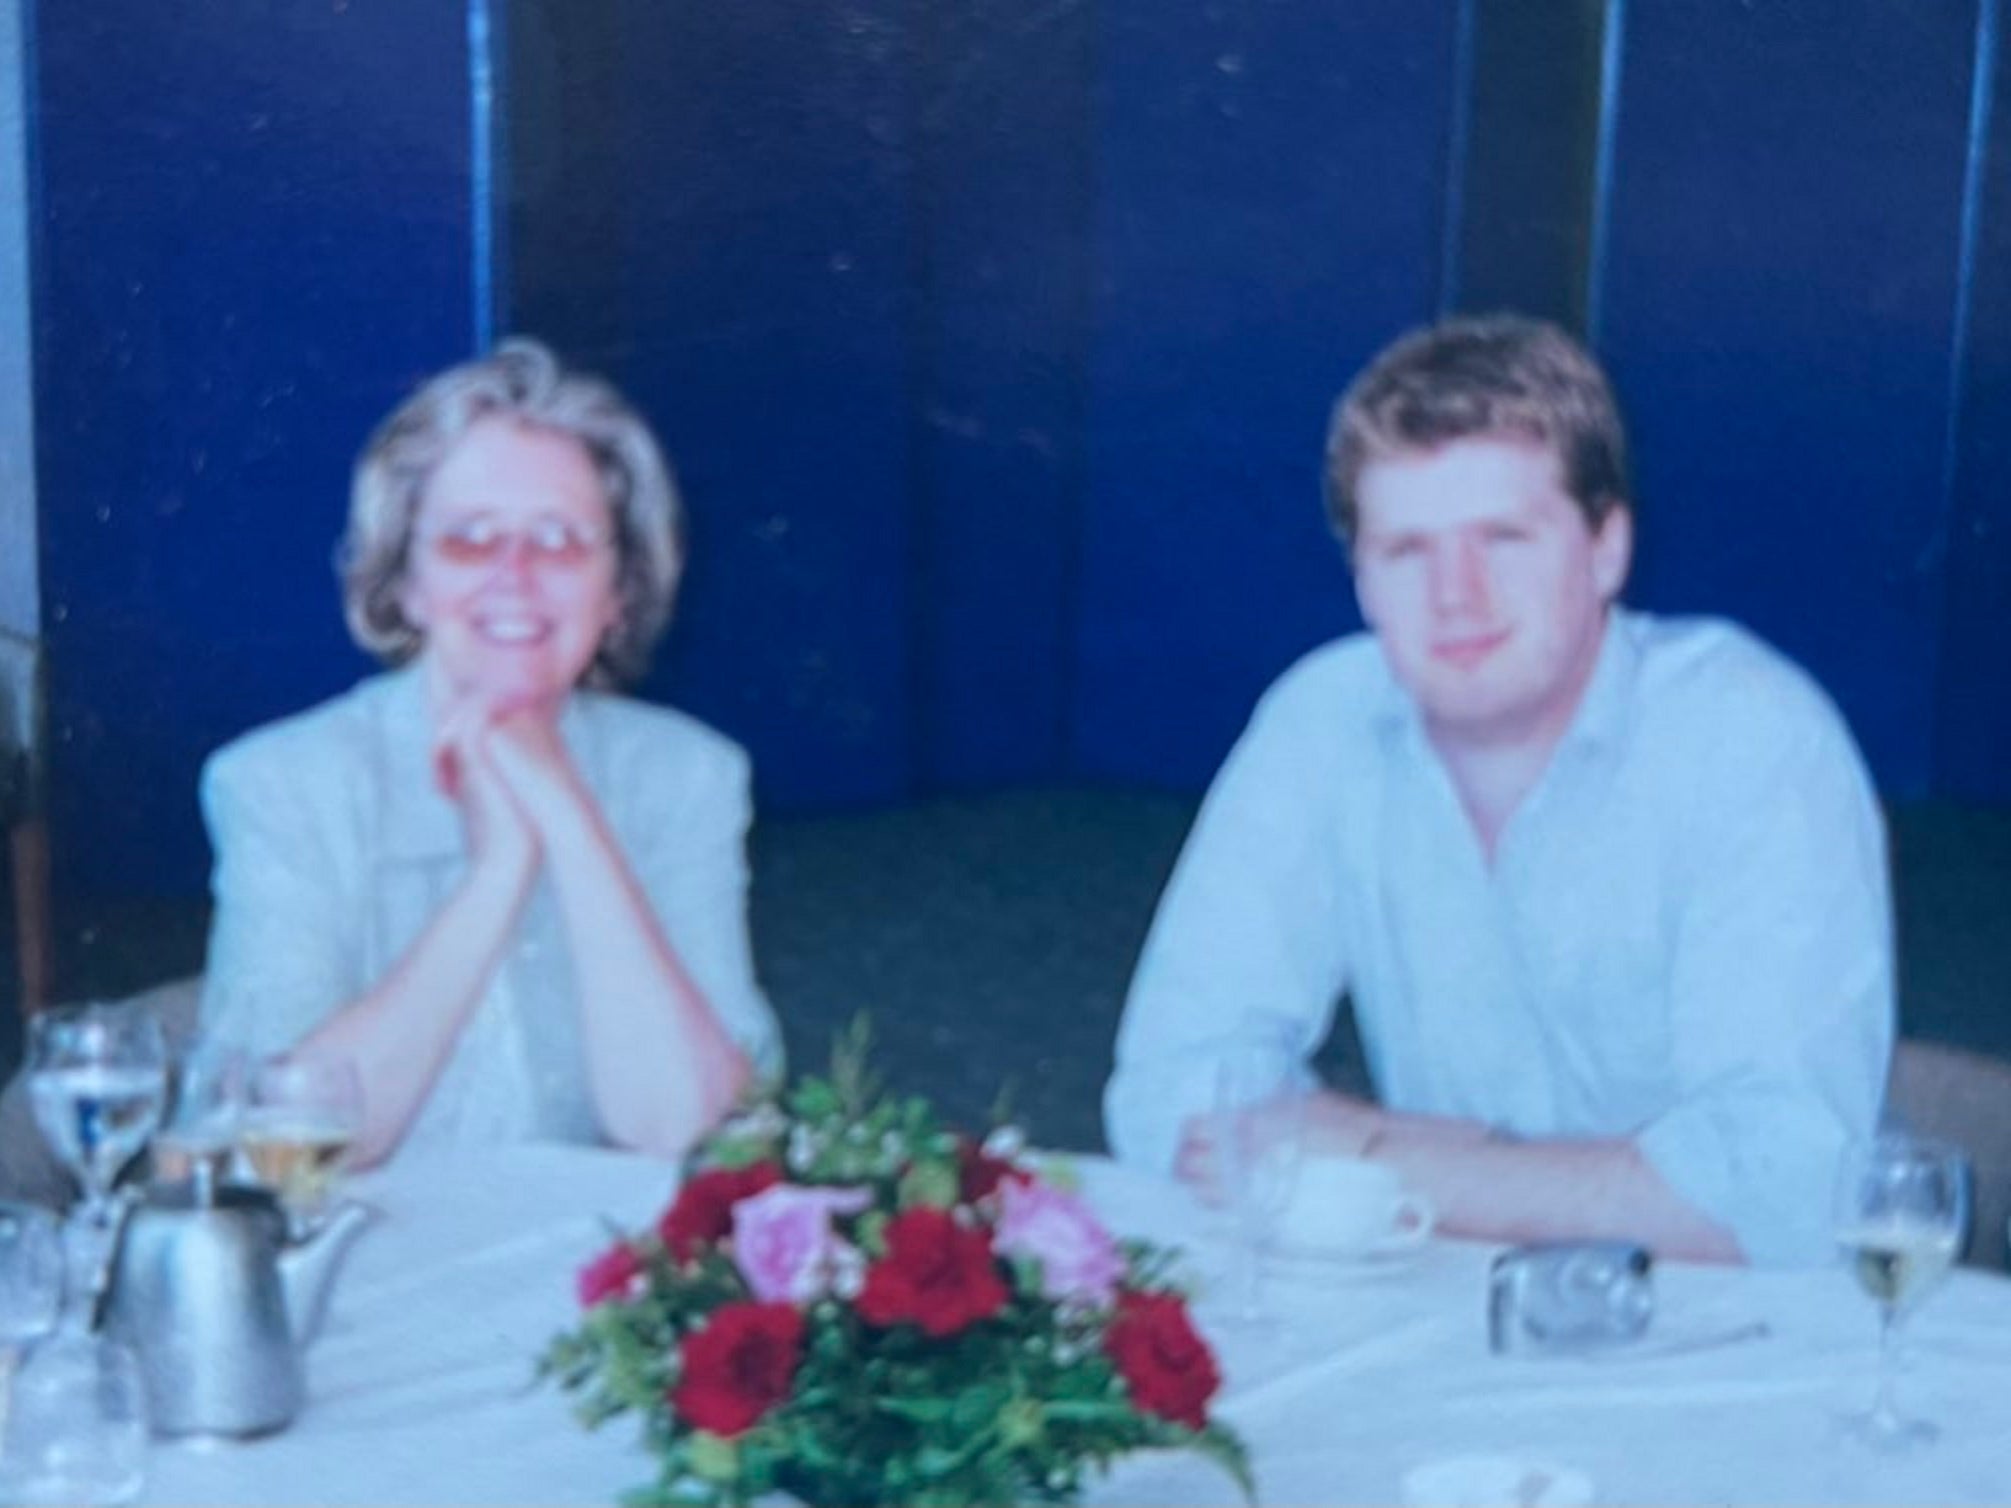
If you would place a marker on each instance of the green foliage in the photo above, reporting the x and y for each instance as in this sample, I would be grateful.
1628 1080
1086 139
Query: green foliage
1020 1407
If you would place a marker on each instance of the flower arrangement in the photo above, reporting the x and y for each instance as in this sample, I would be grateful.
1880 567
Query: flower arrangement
850 1303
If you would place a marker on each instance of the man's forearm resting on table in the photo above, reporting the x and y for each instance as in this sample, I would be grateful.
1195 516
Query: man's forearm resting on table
1545 1190
1490 1188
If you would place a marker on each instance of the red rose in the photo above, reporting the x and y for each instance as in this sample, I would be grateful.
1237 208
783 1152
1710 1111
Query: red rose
935 1273
609 1275
739 1366
702 1213
1168 1367
979 1173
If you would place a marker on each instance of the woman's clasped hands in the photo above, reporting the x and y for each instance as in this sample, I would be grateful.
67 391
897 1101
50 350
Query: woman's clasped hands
507 769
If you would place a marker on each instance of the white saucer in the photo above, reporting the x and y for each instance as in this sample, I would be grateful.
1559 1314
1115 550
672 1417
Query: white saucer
1381 1256
1495 1482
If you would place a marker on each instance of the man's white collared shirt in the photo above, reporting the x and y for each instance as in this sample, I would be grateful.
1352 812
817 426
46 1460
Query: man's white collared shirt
1684 935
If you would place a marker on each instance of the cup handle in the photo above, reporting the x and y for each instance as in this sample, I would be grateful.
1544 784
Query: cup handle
1413 1224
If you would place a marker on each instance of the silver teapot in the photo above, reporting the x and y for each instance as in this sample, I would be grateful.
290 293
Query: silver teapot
219 1304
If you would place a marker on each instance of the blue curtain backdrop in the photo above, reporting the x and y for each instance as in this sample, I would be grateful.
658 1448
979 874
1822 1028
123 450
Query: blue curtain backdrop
994 343
252 234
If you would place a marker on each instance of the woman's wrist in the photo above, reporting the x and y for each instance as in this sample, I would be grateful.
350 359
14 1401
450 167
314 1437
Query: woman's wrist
499 875
570 827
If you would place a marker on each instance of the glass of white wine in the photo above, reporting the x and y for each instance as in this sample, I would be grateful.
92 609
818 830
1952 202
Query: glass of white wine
1902 1206
301 1116
198 1140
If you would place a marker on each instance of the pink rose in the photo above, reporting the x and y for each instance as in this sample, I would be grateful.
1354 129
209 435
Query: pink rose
784 1245
1079 1262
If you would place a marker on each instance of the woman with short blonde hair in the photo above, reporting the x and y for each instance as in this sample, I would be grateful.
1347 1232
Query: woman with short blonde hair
514 900
524 381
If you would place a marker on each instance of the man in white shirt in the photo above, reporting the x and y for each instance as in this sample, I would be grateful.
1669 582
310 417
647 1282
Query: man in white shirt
1608 892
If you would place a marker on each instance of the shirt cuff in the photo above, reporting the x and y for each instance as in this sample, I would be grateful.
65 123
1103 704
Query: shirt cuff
1762 1168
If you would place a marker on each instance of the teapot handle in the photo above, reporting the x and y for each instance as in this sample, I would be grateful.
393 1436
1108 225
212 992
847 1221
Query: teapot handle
94 1252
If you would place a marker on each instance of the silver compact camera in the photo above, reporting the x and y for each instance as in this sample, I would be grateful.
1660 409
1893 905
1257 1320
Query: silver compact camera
1570 1296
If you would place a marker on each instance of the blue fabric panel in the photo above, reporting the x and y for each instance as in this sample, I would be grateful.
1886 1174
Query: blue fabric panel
713 211
1776 303
1270 212
1003 156
253 236
1974 749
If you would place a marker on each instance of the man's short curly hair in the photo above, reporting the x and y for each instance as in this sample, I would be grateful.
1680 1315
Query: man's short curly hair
1492 376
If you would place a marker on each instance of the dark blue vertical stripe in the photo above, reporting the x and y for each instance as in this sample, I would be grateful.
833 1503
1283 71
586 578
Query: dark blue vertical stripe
1959 734
1611 51
1459 136
1000 99
483 209
918 175
709 203
1080 410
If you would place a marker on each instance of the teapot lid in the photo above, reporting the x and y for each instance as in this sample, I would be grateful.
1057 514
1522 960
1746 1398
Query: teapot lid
198 1193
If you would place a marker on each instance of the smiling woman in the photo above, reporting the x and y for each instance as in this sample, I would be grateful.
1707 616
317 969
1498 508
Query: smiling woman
512 579
516 904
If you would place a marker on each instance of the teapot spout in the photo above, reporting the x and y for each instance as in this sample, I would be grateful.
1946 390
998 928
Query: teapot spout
307 1267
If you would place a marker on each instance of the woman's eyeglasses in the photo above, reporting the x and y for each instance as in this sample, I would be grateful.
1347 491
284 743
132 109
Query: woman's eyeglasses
548 542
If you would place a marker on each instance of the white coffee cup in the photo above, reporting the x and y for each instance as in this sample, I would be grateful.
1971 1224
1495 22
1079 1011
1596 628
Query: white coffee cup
1349 1206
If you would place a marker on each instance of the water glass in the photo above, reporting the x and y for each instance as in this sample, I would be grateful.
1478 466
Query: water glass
1259 1115
97 1075
31 1287
31 1274
76 1424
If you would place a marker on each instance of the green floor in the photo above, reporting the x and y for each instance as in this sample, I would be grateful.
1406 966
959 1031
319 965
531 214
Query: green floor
991 937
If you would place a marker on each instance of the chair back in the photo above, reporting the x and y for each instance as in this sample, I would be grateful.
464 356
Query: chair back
1965 1098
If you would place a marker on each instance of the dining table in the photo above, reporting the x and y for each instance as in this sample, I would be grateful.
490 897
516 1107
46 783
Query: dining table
1376 1373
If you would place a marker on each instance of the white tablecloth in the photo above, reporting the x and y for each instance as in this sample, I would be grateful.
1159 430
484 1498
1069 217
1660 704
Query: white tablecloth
420 1383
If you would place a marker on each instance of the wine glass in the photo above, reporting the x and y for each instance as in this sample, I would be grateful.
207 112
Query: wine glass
1902 1205
97 1075
199 1137
76 1422
303 1114
1259 1113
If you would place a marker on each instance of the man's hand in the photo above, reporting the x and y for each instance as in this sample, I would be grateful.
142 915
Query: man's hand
1330 1125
